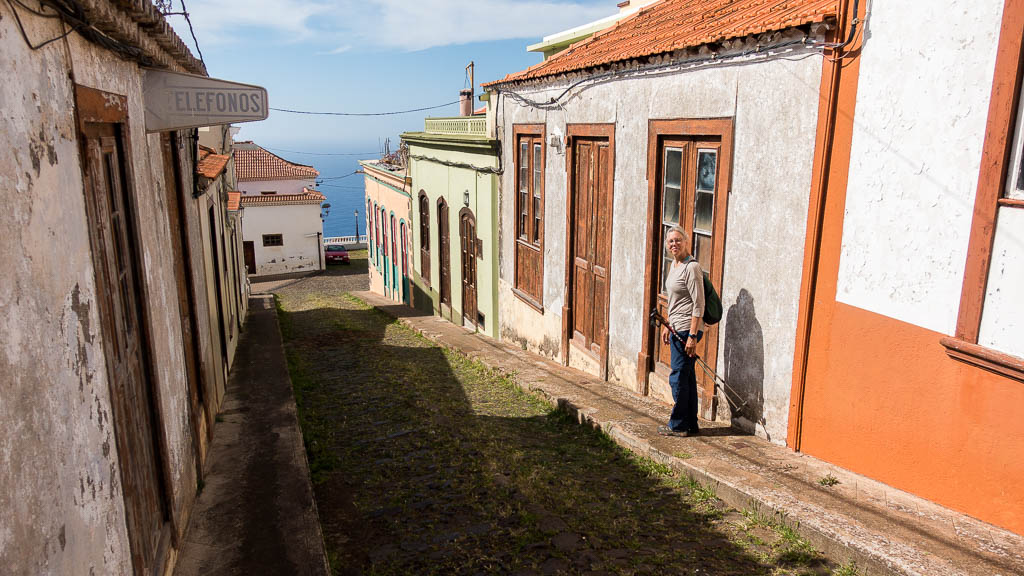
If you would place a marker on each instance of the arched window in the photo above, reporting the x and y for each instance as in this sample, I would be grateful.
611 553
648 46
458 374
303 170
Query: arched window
404 239
369 222
394 242
424 237
384 233
376 235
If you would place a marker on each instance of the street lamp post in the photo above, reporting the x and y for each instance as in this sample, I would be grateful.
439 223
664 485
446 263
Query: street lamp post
356 212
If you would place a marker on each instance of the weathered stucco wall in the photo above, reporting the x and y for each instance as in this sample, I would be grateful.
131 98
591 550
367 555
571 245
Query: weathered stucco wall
1002 322
915 157
279 186
60 486
298 224
774 103
452 182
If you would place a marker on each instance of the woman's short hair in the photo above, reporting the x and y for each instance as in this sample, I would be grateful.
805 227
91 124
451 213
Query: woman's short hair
676 228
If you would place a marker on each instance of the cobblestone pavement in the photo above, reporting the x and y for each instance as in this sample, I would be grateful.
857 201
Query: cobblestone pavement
425 462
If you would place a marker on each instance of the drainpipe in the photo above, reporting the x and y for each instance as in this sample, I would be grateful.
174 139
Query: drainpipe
816 224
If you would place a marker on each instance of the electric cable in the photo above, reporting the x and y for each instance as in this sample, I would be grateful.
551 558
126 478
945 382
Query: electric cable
362 113
322 153
188 20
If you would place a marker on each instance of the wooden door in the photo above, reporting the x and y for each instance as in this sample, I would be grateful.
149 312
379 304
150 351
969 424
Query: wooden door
250 256
405 263
444 257
467 236
688 191
424 238
591 244
181 253
218 286
115 258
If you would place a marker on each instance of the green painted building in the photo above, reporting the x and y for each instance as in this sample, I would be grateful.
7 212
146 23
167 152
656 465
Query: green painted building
454 167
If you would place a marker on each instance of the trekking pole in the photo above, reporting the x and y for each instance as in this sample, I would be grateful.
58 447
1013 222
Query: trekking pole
657 318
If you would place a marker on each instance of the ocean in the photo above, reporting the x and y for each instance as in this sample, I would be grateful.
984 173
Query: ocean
344 192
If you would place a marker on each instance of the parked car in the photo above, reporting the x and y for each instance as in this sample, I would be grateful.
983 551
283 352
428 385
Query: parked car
336 253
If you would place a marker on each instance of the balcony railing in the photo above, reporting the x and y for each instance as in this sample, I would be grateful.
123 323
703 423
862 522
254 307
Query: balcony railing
345 240
460 125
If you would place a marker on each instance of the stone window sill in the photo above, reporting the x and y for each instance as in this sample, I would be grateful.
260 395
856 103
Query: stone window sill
528 300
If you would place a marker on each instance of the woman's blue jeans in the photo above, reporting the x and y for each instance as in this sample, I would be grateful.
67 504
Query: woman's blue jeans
683 381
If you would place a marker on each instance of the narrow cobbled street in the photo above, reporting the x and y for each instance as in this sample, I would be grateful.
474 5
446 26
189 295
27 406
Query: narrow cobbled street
424 461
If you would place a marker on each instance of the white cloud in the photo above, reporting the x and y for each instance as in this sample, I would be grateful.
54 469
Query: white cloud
227 21
336 26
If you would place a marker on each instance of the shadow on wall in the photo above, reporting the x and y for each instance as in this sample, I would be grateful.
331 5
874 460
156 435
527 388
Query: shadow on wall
744 364
421 299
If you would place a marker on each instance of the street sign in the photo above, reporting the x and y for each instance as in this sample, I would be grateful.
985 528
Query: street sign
174 101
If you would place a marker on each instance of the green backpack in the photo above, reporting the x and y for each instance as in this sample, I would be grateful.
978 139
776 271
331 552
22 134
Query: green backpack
712 303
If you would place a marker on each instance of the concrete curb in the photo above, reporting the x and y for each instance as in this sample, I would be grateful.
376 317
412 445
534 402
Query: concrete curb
299 448
875 540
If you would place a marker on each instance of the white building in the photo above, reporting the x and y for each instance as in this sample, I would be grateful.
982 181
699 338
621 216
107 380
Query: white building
282 232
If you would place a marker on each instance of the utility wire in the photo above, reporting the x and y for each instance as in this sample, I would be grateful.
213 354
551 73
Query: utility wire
184 12
364 113
323 153
340 177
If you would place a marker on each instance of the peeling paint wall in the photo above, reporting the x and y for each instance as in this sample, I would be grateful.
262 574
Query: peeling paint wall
298 224
60 485
774 104
922 104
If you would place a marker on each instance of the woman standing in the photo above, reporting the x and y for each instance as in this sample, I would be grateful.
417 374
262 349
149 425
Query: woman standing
684 284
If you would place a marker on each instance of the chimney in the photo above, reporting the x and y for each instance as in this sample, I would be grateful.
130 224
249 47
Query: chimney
465 102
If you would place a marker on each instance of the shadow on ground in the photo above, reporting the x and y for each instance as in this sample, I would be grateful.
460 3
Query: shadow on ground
425 462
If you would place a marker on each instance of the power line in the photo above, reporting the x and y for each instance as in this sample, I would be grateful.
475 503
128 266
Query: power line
323 153
184 12
364 113
340 177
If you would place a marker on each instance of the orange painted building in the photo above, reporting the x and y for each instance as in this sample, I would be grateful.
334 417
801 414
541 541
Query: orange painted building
909 364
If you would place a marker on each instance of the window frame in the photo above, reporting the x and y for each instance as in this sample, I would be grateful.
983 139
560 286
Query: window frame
536 135
280 238
996 164
424 235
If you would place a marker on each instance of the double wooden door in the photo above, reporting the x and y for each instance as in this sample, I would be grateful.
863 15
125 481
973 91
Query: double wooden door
467 236
116 261
590 244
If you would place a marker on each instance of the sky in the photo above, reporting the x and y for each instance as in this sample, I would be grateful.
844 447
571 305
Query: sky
368 56
365 56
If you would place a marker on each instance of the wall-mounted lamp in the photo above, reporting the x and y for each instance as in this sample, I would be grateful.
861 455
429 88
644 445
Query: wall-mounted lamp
465 198
325 209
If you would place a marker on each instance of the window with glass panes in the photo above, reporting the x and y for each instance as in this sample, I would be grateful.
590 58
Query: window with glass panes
689 184
529 210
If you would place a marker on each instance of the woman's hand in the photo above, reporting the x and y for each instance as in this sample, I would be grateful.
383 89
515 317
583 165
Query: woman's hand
691 346
665 334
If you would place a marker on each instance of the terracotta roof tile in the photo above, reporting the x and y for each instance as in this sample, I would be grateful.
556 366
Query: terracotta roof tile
671 25
211 165
255 163
234 199
308 196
